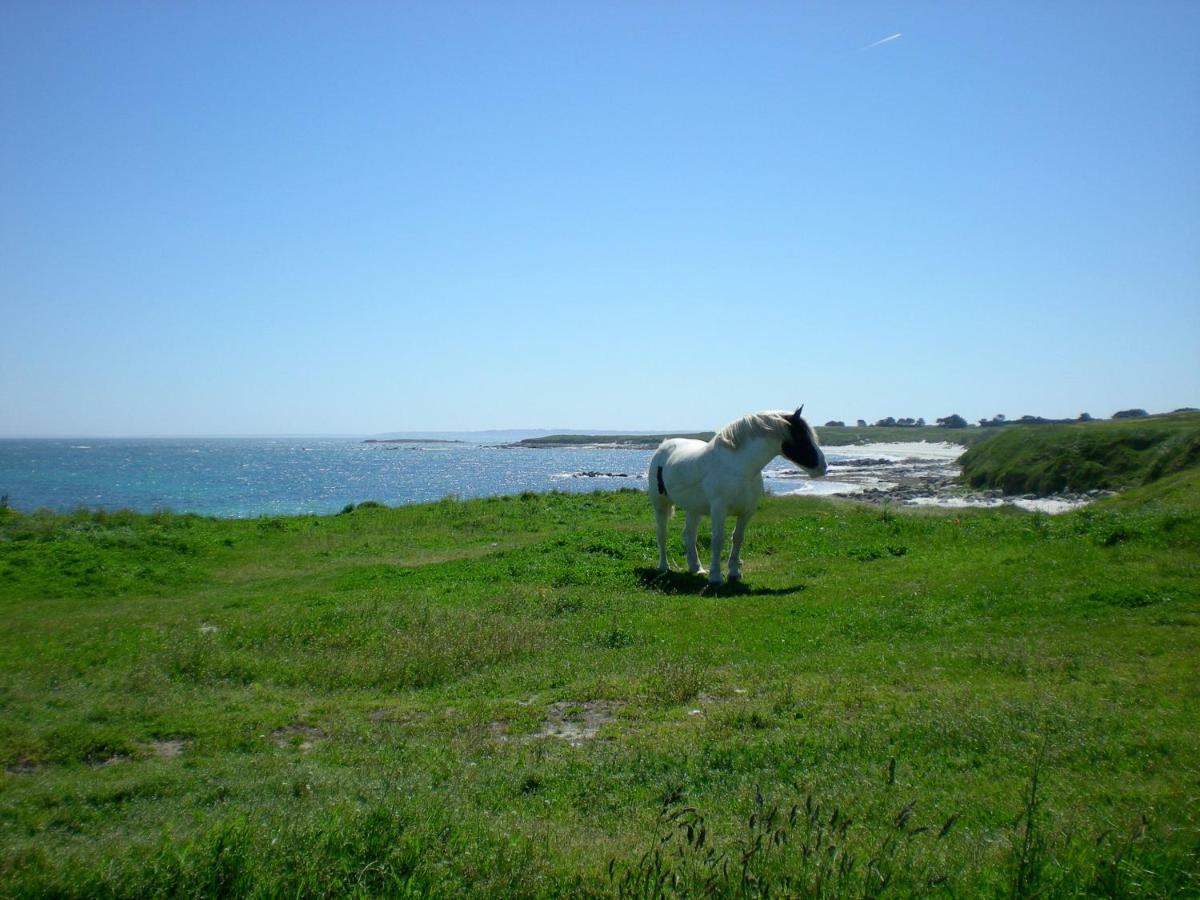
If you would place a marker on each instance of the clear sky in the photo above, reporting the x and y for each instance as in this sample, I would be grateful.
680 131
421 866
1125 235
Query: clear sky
367 217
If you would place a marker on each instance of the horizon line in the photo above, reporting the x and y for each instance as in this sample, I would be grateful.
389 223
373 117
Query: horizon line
364 435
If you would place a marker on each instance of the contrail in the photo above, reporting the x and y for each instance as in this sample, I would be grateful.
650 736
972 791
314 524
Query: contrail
890 37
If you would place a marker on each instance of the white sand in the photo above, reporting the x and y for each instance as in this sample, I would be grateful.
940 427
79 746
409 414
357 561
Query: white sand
941 450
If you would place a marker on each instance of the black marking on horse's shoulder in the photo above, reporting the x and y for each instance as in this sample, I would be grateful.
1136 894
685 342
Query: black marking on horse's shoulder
662 488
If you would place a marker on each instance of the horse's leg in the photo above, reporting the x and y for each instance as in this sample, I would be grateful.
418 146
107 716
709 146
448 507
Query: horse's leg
718 540
691 525
662 513
735 553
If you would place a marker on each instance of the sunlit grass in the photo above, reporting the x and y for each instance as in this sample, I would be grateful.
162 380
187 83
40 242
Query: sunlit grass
501 697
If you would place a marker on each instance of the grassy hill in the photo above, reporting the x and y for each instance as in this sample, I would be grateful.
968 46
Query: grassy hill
1043 459
500 698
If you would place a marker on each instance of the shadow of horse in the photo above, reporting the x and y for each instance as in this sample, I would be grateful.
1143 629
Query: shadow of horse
683 583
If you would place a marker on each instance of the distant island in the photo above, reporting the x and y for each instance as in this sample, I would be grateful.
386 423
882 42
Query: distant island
410 441
618 441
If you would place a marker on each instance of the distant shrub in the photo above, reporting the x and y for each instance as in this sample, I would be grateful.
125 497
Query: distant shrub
835 424
1130 414
952 421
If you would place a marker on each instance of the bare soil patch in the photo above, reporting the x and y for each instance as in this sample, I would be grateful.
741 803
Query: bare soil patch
302 737
577 722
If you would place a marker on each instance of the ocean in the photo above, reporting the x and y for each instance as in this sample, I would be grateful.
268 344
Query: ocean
247 477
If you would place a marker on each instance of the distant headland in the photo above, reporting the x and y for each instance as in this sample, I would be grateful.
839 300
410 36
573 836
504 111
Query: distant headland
952 429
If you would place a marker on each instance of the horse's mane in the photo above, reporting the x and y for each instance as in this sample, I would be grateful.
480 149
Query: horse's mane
772 422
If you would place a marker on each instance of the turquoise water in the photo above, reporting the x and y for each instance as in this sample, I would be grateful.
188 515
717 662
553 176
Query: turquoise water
273 476
251 477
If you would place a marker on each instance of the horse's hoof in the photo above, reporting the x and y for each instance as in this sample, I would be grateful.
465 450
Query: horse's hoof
715 582
734 576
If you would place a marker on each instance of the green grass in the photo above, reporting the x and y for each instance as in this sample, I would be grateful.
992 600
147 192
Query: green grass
982 702
1112 455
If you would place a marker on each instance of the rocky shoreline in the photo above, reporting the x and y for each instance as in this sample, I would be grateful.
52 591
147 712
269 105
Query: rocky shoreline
912 474
915 475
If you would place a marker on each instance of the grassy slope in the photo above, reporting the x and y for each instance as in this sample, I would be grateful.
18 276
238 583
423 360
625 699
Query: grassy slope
830 437
1115 454
352 702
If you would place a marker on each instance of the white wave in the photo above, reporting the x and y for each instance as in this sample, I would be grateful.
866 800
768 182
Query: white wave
820 488
1050 505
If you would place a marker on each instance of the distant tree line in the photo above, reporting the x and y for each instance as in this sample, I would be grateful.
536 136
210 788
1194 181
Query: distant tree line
954 420
889 422
1000 419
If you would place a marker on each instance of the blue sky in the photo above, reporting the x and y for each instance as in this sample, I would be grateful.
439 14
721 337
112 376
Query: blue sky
356 218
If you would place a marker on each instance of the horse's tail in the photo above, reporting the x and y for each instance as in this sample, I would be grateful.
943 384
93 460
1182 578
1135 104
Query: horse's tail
655 486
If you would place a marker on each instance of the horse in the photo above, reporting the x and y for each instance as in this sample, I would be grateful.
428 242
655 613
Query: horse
723 477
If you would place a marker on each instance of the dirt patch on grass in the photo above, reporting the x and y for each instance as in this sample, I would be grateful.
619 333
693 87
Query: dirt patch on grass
168 748
302 737
577 722
104 762
24 767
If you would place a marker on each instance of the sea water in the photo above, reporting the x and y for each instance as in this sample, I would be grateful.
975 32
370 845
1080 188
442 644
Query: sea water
241 477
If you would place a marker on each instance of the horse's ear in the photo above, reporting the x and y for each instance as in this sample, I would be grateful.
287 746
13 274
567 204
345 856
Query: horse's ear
796 414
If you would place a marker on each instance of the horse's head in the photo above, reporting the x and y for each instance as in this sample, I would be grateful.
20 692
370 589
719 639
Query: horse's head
800 445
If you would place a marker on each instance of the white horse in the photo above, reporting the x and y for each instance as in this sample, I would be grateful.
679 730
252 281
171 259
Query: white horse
723 477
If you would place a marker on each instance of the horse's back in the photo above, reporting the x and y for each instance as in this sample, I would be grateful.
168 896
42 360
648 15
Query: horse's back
694 475
676 452
676 473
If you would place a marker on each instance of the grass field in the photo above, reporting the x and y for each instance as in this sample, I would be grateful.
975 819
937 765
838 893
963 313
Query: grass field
499 698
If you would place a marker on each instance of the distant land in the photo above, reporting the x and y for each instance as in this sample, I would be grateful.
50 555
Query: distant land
836 436
832 435
412 441
886 431
489 436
